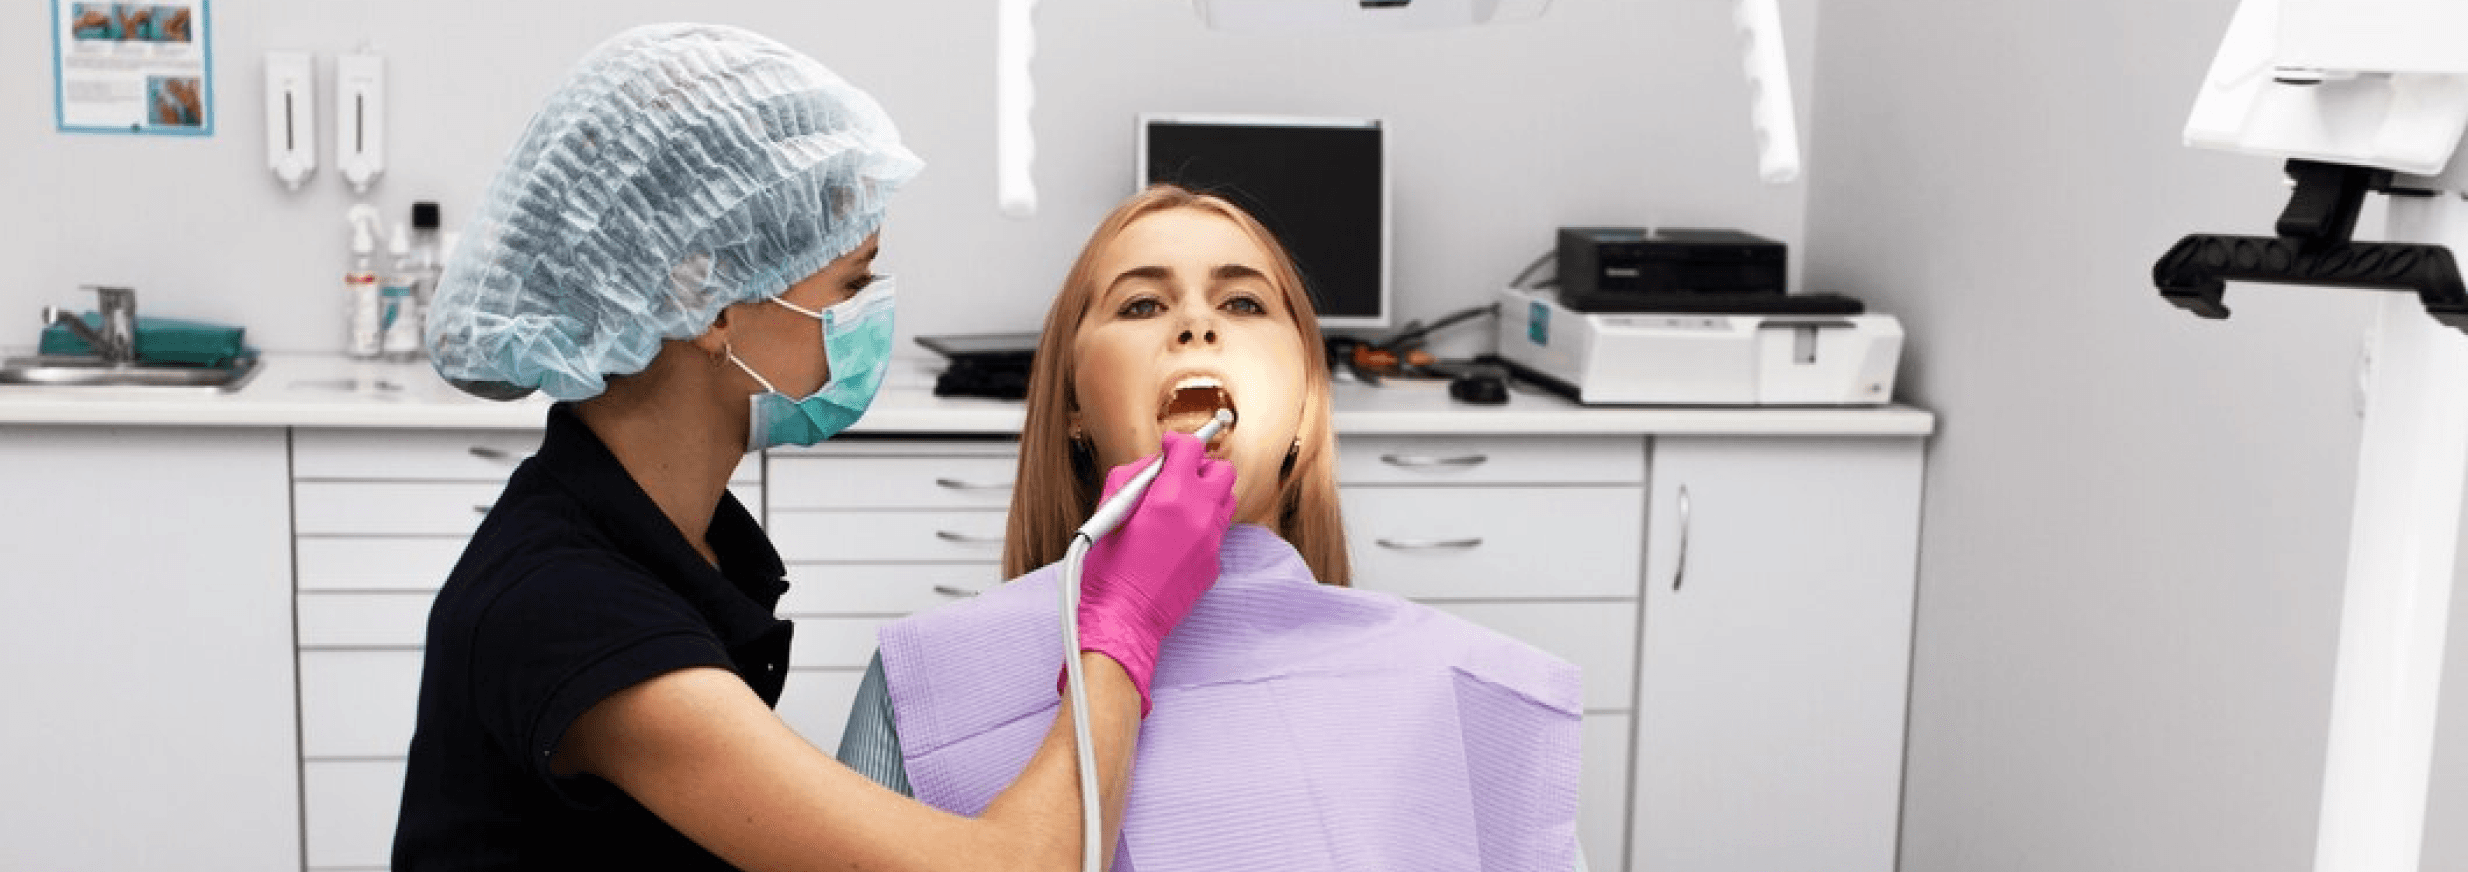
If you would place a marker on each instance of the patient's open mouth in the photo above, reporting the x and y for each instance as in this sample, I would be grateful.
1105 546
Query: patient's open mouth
1189 403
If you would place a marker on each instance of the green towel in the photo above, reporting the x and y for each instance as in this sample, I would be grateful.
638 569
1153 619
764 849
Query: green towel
160 340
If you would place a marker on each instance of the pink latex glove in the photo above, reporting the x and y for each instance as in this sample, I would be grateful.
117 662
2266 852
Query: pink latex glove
1139 582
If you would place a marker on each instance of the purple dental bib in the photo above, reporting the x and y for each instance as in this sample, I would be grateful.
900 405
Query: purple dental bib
1296 726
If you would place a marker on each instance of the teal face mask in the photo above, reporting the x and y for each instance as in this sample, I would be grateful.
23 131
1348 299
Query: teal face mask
857 342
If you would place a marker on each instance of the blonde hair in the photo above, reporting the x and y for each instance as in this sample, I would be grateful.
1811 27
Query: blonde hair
1057 486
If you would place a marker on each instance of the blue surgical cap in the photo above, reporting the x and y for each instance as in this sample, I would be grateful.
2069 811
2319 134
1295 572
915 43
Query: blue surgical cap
678 169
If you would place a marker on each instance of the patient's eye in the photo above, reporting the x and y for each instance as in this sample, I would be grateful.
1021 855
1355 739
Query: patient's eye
1141 307
1244 304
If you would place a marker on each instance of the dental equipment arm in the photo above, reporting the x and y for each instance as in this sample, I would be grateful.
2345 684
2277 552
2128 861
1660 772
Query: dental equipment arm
2364 96
1110 515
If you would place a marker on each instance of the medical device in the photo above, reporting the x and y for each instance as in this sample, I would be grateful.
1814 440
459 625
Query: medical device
1759 23
359 119
1616 269
1700 358
1319 184
291 116
1109 515
2359 97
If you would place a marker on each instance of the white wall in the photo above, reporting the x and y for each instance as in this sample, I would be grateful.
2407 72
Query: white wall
1602 111
2136 520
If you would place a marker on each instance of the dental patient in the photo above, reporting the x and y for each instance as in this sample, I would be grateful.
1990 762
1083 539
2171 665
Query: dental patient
1297 724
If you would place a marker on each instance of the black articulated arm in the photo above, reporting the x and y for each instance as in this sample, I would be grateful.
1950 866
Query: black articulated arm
2312 248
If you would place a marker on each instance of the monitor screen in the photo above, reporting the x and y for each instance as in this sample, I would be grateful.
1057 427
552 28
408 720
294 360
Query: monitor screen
1319 184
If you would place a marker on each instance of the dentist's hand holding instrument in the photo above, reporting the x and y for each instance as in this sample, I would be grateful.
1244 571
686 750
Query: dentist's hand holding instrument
1139 582
1130 591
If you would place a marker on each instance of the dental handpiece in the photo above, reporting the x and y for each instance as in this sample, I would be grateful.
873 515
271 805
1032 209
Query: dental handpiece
1109 516
1112 513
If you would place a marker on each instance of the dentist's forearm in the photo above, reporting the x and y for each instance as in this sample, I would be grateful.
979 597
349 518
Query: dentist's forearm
1042 807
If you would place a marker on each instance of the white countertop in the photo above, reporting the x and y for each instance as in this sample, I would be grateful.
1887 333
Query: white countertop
327 391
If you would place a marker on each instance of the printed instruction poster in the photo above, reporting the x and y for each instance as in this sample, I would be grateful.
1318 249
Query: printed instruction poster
140 68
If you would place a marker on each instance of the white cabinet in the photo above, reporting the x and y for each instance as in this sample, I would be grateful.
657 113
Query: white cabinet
872 531
1536 537
1770 692
145 650
380 517
218 644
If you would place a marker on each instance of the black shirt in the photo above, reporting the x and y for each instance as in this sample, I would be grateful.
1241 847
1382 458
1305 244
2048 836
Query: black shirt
574 587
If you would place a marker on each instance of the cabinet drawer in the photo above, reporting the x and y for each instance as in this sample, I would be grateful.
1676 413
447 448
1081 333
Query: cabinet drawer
358 703
351 811
965 482
1602 792
815 704
865 536
1491 460
416 508
395 508
882 588
429 455
1482 543
376 563
410 455
834 642
329 619
1601 638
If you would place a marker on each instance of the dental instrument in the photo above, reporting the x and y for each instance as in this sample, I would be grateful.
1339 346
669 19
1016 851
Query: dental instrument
1109 515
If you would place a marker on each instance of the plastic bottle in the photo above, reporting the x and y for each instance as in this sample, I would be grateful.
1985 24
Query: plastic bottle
428 261
398 303
362 319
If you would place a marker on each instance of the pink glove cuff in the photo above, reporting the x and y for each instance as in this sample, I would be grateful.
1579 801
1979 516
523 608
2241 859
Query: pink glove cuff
1136 661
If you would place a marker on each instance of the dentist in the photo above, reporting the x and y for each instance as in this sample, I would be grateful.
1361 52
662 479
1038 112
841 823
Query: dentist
680 249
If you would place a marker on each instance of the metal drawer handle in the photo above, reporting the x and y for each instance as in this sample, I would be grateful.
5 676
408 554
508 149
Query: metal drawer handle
1431 544
482 509
1680 572
1425 461
961 485
497 454
965 539
954 591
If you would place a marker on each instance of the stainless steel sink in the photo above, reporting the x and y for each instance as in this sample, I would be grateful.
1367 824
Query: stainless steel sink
90 371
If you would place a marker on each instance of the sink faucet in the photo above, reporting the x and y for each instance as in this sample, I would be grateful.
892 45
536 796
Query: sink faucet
116 343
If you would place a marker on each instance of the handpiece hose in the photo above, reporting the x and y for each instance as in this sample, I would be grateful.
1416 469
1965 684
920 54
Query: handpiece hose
1108 516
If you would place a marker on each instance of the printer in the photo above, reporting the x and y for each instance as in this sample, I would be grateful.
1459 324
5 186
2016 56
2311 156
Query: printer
1708 358
1692 317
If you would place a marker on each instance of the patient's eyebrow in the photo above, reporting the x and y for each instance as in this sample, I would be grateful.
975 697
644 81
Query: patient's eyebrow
1152 273
1229 271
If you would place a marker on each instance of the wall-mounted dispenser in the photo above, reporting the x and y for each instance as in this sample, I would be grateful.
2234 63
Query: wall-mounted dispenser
291 116
359 119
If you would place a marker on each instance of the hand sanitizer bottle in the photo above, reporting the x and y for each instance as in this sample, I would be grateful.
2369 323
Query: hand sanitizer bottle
363 325
399 303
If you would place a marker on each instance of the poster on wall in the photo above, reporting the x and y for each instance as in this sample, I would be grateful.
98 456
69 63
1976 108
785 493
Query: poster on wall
134 68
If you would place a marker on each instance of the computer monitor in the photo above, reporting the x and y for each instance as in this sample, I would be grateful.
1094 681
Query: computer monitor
1319 184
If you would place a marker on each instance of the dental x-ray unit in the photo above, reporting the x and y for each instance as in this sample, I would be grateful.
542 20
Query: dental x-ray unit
1015 45
2364 96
